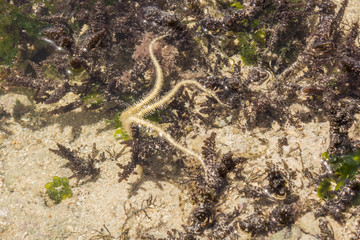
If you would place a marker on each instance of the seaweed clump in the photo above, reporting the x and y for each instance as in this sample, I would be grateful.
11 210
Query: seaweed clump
340 188
276 204
82 168
17 28
207 192
143 149
59 189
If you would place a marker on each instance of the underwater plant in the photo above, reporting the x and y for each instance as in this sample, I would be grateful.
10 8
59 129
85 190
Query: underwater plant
59 189
15 26
345 169
341 189
82 167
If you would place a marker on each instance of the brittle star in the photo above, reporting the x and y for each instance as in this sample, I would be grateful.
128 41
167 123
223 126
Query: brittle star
135 114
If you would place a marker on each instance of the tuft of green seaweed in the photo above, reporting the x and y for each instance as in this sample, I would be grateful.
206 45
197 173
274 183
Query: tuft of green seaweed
59 189
236 5
345 168
324 189
13 24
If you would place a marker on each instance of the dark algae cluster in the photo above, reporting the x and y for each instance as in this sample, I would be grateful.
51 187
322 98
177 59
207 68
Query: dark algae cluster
253 59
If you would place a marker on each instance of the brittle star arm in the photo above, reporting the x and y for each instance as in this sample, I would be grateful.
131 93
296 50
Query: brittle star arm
167 98
145 101
168 137
159 77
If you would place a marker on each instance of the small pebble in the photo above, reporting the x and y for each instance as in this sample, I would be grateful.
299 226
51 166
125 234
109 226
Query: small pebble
18 146
69 228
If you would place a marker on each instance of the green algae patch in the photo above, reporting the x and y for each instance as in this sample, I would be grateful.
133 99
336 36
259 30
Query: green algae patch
59 189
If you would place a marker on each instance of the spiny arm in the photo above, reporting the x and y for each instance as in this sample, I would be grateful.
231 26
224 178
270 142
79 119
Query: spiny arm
168 138
168 97
159 77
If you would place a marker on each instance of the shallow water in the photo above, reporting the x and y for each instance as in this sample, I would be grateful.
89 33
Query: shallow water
152 202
